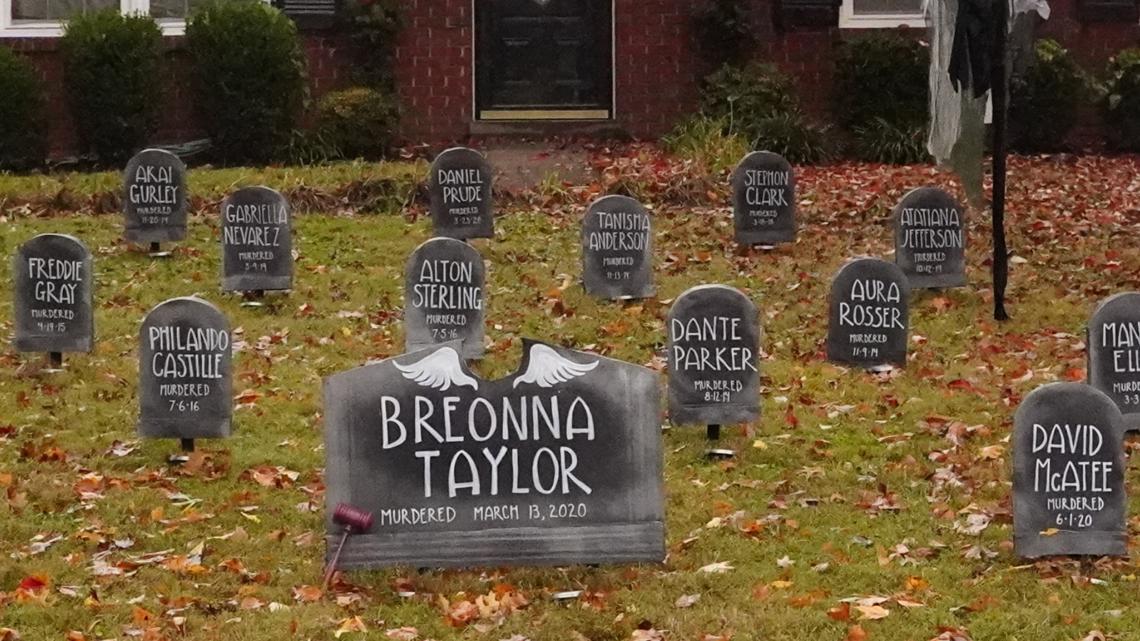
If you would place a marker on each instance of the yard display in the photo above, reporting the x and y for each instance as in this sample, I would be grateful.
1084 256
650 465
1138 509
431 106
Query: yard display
444 297
53 306
257 241
461 198
557 463
154 199
617 249
930 239
764 200
868 317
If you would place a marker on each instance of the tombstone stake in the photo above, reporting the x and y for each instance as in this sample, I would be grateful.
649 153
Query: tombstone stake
713 433
55 360
187 445
253 298
355 521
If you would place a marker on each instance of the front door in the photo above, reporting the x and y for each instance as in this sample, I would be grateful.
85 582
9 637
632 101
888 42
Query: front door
543 59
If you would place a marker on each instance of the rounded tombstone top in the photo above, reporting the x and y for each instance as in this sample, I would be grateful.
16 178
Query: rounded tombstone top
1066 397
55 239
715 289
876 267
180 303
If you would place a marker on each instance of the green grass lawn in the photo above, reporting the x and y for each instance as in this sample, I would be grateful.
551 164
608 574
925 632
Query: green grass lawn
852 486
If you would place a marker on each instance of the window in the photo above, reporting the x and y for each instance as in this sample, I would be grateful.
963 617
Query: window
45 18
880 14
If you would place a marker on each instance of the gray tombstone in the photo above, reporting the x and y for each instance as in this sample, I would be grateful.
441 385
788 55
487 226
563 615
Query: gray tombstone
1068 473
257 243
1114 353
461 197
185 371
53 305
617 249
764 199
868 314
444 297
154 197
930 239
714 352
557 463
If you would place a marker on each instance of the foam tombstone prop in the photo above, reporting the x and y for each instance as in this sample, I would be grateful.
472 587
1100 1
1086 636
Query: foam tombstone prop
53 309
185 372
557 463
1068 474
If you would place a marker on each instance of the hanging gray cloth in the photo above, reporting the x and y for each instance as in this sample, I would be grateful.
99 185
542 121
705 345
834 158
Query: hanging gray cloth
960 82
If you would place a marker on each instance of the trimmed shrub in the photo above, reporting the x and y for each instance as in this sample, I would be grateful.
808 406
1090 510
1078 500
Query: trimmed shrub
112 73
791 135
1122 101
882 76
1045 98
723 32
358 123
22 124
881 97
375 25
249 78
742 97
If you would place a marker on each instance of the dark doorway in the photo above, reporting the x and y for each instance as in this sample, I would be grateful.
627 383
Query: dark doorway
543 59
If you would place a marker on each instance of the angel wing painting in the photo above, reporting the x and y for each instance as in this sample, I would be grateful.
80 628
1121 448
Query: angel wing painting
439 370
545 367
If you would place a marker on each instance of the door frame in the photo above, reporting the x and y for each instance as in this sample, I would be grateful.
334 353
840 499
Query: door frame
527 115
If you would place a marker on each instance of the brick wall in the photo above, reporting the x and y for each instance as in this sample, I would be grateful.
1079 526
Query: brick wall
657 68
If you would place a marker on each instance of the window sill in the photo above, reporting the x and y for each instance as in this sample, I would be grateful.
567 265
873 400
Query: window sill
55 29
885 21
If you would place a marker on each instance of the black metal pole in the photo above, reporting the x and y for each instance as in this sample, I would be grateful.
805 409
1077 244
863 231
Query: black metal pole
713 433
55 359
999 88
187 445
155 248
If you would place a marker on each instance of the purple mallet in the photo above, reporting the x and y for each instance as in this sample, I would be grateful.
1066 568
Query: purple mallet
355 521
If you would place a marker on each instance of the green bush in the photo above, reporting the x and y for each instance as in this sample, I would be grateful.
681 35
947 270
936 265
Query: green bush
375 26
881 141
881 94
358 123
1122 100
742 97
791 135
708 141
112 68
1045 98
22 123
249 78
723 31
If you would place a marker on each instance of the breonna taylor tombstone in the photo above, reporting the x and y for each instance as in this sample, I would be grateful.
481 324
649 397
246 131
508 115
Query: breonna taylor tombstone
185 372
444 297
867 319
53 301
154 198
764 199
257 246
930 239
1114 353
461 198
617 249
1068 473
557 463
714 347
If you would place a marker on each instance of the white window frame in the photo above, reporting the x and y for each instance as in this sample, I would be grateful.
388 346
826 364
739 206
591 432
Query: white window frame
848 19
54 28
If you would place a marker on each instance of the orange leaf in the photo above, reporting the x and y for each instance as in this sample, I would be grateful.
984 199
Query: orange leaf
856 633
